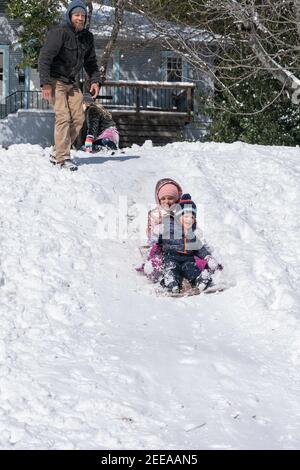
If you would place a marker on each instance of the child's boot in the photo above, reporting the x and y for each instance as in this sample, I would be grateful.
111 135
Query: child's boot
203 281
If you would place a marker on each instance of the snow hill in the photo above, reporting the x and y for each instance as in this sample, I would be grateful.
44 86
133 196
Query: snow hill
90 358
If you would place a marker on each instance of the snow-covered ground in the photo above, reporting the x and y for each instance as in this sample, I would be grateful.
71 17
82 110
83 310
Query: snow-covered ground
91 359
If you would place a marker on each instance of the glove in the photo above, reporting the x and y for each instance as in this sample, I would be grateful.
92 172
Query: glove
212 264
88 144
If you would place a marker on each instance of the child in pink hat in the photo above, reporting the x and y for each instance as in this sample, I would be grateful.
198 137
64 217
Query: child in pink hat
167 193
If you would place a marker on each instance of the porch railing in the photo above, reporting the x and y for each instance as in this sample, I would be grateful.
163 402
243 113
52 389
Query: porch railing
133 97
143 96
22 100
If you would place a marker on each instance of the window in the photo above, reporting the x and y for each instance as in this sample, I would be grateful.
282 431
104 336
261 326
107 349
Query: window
174 69
1 73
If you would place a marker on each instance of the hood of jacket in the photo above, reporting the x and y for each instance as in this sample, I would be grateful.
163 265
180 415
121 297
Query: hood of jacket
72 5
161 183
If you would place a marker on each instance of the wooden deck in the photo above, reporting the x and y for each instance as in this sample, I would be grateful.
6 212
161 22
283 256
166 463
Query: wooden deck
156 111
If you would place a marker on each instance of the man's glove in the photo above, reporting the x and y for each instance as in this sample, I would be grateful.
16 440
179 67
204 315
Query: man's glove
88 144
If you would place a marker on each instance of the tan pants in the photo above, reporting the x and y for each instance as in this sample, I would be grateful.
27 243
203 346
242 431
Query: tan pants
69 117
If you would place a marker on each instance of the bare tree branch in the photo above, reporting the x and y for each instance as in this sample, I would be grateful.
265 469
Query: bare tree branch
118 21
89 4
244 38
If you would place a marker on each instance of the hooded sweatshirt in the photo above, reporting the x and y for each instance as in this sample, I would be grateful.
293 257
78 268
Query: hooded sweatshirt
66 51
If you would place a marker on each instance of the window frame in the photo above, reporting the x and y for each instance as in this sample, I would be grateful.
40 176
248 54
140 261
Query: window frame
4 49
165 55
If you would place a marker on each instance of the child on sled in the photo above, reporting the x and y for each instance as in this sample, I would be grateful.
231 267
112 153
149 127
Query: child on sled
184 255
167 194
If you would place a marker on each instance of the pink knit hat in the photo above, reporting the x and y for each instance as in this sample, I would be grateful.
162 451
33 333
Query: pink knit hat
168 189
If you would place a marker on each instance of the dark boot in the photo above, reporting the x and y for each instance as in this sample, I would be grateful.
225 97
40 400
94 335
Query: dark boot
203 281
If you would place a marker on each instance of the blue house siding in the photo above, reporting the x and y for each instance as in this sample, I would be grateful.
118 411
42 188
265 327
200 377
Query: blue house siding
131 63
140 63
2 5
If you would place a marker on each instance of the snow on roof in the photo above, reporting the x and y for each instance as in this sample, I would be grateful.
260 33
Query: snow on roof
137 26
134 26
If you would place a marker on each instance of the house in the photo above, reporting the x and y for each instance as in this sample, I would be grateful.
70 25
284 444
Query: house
141 58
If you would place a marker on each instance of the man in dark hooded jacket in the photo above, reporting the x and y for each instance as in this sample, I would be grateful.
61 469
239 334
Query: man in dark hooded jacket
67 49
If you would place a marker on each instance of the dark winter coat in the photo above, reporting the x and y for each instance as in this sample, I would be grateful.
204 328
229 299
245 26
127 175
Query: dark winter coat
176 244
66 51
97 121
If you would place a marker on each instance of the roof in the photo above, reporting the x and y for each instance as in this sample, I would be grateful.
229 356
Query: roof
138 27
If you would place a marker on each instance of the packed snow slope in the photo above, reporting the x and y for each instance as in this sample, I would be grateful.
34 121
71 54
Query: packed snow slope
91 358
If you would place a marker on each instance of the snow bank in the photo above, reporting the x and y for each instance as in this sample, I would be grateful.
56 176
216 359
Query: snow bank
91 359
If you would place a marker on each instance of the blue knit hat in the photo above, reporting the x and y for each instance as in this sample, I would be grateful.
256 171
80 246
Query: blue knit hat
77 10
185 206
74 5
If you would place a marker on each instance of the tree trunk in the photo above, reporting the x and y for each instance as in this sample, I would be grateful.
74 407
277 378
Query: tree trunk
119 17
89 4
